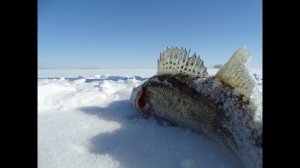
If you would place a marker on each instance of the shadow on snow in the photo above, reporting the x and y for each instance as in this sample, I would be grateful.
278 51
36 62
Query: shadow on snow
145 143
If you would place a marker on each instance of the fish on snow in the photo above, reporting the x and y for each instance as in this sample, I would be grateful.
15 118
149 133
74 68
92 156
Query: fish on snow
219 107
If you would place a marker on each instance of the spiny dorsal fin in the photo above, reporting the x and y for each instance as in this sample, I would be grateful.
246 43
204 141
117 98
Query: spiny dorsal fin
178 61
235 72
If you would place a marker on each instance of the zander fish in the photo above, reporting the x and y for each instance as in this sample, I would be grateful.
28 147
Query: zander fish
219 107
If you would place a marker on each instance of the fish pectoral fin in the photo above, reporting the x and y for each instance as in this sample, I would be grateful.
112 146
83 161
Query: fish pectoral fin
177 61
236 73
164 122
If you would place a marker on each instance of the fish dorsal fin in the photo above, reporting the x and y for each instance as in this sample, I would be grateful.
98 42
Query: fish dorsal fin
236 74
177 61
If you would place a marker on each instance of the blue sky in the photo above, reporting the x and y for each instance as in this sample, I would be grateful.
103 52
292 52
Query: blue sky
132 33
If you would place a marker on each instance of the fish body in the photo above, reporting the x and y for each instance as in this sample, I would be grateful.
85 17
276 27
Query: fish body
218 107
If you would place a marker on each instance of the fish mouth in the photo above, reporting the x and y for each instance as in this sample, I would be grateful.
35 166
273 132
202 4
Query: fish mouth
142 100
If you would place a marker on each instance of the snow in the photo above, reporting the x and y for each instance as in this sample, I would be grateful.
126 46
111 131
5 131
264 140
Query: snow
47 73
85 119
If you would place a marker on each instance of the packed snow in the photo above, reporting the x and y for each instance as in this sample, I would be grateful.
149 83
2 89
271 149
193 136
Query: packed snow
85 119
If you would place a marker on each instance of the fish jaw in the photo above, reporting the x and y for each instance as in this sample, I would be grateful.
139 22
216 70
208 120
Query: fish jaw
139 100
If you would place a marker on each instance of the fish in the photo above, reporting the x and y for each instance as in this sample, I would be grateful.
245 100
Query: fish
219 107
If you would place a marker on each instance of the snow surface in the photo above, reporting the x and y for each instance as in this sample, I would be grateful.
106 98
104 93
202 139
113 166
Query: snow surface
46 73
85 120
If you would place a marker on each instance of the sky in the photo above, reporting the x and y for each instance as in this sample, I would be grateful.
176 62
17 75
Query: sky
130 34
